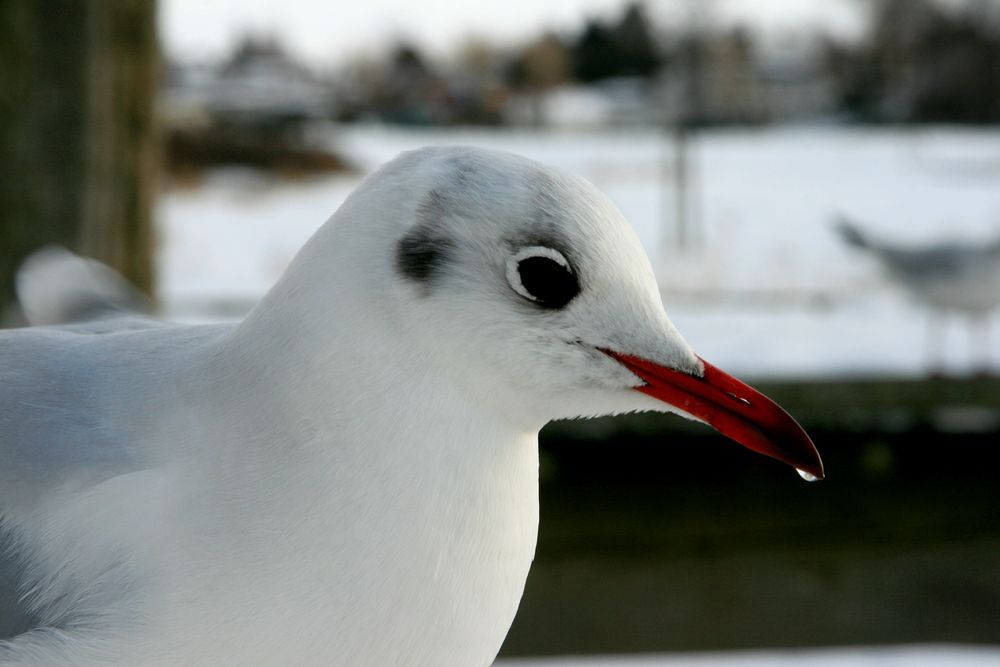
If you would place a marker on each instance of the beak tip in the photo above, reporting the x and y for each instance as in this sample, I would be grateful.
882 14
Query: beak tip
810 477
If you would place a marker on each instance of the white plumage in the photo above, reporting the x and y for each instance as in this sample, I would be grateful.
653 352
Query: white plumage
347 477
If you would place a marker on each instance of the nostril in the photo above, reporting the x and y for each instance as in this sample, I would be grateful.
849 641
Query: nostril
742 400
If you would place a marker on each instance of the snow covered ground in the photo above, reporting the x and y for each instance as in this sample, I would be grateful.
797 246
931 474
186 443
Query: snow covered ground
768 291
905 656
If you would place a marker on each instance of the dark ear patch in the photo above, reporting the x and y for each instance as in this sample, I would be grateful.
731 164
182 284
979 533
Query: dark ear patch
420 254
424 250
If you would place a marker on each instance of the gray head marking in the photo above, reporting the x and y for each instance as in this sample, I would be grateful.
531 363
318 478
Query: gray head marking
463 169
472 189
546 224
425 248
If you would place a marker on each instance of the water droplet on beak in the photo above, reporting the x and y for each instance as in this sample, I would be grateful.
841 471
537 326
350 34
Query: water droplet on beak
806 476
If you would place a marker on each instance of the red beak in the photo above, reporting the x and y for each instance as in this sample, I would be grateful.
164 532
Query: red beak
732 408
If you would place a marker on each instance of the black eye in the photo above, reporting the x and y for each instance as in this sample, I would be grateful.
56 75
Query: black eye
544 276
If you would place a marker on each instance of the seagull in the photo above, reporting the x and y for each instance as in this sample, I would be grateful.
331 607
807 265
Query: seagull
348 476
956 277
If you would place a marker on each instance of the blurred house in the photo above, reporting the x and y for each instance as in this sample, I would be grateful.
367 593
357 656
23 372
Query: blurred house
405 87
619 102
920 60
410 91
254 109
260 85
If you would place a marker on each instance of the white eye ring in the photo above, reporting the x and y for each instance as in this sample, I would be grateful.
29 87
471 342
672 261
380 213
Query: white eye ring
514 273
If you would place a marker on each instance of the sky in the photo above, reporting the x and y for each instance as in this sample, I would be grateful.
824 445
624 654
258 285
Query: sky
327 32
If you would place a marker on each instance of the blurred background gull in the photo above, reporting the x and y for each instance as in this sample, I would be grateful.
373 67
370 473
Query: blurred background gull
195 146
948 276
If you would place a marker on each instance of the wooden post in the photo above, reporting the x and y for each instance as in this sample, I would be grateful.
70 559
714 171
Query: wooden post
41 129
122 151
77 136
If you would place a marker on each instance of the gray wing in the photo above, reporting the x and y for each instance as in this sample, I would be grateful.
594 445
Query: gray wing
78 408
75 395
945 261
54 421
76 405
938 262
52 435
53 429
55 415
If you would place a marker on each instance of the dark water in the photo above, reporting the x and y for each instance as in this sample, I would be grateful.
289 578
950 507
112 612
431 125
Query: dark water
661 539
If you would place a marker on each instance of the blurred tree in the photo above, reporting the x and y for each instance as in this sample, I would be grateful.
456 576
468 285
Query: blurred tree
595 56
478 94
77 139
625 49
927 61
544 64
691 59
408 61
958 80
637 51
478 57
411 91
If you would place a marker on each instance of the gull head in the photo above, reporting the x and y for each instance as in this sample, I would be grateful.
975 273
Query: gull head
527 288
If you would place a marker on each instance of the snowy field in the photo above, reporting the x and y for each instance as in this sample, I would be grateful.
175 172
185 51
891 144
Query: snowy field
908 656
769 290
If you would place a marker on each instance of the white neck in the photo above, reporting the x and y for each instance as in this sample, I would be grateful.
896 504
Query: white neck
396 516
